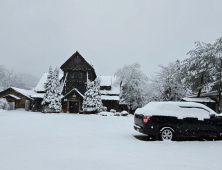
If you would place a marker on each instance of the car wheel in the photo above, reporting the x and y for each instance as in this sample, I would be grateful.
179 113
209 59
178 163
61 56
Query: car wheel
166 134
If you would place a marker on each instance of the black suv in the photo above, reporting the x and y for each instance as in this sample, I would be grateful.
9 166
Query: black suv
166 120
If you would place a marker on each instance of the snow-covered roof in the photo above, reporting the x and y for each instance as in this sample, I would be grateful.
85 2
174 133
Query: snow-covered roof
41 95
74 89
201 100
104 97
13 96
38 95
109 81
27 93
40 87
41 84
204 94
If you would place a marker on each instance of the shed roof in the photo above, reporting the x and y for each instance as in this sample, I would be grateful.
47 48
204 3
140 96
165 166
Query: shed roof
13 96
200 100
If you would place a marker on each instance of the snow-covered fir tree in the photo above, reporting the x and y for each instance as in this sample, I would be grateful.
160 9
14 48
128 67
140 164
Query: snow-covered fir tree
92 100
52 98
97 95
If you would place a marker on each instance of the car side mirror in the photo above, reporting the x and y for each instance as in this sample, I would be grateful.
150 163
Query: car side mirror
212 115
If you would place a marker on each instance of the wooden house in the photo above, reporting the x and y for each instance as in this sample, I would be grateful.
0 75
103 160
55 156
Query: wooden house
17 98
76 71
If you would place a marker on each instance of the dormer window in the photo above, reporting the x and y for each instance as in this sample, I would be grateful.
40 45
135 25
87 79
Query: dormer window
105 87
77 60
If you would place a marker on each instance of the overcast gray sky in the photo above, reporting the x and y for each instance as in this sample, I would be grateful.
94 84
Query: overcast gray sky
108 34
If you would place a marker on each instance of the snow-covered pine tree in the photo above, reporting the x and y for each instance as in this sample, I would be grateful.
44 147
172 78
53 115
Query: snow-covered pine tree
97 95
92 100
47 97
57 92
52 98
88 105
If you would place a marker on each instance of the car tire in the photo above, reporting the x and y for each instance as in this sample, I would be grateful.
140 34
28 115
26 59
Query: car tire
166 134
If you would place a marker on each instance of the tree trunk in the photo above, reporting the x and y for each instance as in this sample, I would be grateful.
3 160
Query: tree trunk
201 82
199 92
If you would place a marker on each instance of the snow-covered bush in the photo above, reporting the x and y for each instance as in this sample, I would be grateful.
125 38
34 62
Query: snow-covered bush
104 108
124 113
117 114
113 110
4 104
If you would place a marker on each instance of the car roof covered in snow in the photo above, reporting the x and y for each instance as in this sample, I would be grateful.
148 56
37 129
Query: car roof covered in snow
177 109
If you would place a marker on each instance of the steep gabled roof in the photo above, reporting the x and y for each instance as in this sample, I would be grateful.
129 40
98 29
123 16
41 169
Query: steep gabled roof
73 56
76 90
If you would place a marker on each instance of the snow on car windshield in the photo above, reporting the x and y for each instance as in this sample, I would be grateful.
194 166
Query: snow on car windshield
178 109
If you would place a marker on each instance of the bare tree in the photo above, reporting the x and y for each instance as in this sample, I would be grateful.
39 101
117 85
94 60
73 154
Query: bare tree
9 79
134 83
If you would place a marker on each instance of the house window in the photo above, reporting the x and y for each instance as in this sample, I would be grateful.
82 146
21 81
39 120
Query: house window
77 75
105 87
77 60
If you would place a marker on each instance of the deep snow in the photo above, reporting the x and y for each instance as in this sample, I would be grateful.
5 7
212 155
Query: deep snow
34 141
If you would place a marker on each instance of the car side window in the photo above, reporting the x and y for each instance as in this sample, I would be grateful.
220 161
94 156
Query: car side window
196 112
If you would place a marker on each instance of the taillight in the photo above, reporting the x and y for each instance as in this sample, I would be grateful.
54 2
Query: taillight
146 119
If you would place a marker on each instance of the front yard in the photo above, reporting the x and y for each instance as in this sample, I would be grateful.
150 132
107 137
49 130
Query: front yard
34 141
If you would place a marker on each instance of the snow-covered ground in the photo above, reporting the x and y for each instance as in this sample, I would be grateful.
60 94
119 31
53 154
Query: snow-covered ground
36 141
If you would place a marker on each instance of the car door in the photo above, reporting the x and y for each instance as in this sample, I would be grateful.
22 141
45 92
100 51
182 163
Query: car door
194 123
190 126
208 127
